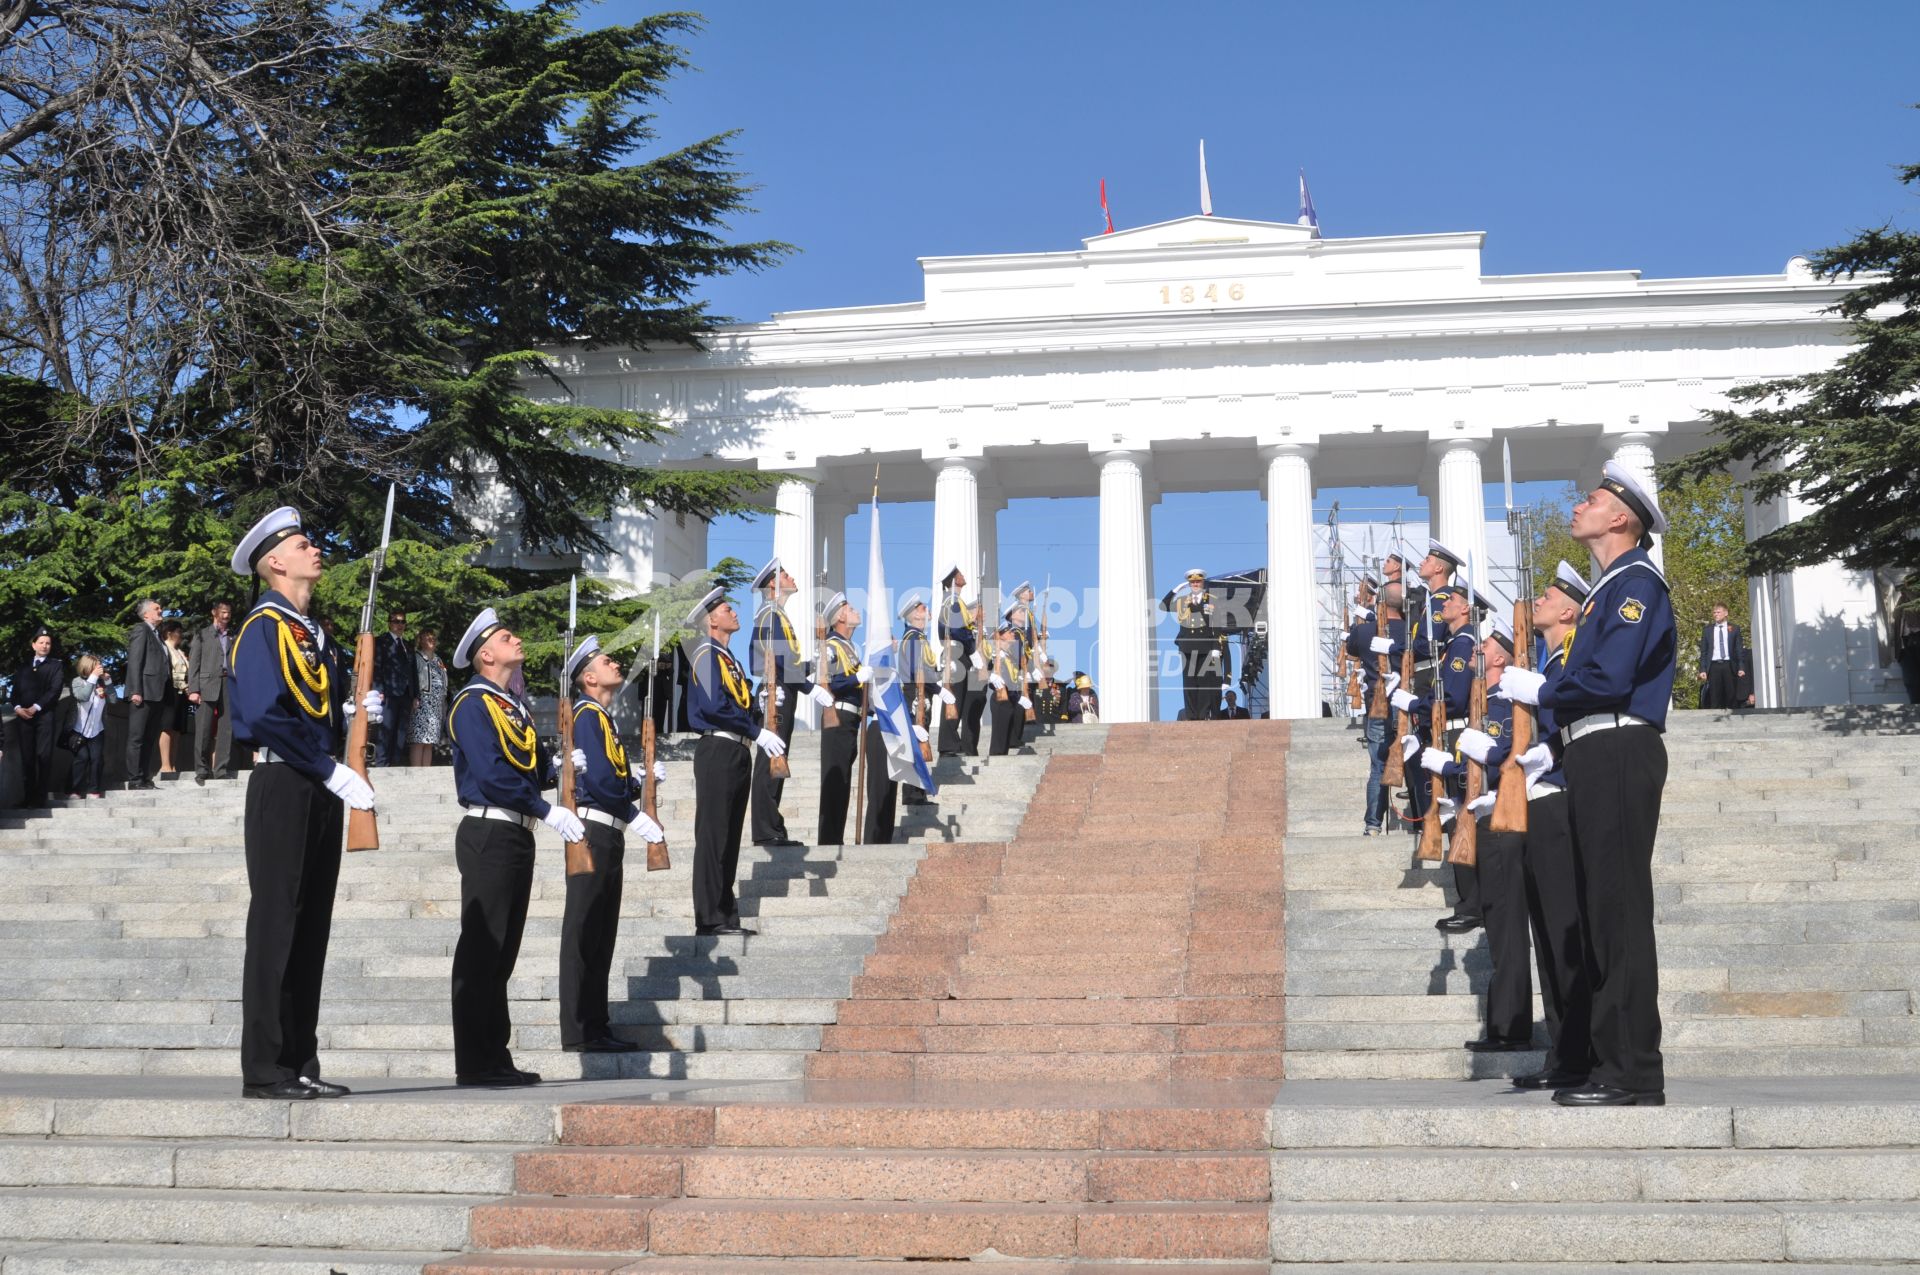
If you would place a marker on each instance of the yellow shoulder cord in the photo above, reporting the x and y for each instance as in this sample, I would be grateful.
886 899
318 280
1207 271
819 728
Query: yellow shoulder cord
927 655
515 740
735 686
616 753
966 616
313 676
842 650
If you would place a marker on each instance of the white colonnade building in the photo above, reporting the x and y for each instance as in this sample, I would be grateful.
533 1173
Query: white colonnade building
1214 354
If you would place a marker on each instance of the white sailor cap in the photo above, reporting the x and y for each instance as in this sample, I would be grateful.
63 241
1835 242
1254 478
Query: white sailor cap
1571 582
1636 495
953 567
914 599
832 608
767 574
697 617
484 626
1369 581
588 648
1438 550
282 524
1195 573
1502 632
1023 585
1007 615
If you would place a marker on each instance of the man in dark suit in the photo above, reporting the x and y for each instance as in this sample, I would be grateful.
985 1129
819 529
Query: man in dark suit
149 670
1723 663
207 667
396 677
36 692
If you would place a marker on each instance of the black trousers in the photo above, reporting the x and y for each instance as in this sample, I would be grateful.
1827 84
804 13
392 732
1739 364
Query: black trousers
882 792
89 762
768 823
144 721
1466 880
1614 781
720 782
496 882
1722 687
587 935
32 738
210 718
1503 900
1199 678
1006 715
838 747
390 736
293 827
929 703
1559 949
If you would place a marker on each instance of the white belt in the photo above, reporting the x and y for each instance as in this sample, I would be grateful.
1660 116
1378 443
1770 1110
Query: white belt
267 755
1458 723
741 740
502 815
1598 721
592 815
845 707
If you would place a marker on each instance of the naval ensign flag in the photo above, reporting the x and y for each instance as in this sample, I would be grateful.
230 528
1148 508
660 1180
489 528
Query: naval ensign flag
904 763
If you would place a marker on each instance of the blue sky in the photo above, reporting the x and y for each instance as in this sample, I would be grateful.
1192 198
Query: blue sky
1679 139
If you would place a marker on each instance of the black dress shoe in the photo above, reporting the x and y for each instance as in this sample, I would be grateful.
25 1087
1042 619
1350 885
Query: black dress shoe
139 785
200 778
501 1078
603 1045
783 843
1608 1096
292 1090
1498 1046
1550 1080
324 1088
1457 924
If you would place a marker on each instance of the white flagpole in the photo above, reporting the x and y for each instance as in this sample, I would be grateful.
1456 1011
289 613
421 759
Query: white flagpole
1206 194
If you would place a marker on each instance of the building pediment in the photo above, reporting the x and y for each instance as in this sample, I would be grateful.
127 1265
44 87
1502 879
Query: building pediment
1202 232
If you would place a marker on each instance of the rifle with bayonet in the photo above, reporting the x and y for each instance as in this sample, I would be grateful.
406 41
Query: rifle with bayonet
1510 806
363 830
1432 843
1464 847
777 767
579 854
657 857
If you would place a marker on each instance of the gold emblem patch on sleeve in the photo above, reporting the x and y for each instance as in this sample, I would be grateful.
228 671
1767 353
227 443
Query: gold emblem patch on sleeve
1493 728
1631 610
1459 665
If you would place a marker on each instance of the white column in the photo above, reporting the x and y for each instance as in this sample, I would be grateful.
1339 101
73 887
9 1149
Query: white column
830 528
1293 658
956 516
1460 521
1125 634
1763 623
1635 452
990 581
795 546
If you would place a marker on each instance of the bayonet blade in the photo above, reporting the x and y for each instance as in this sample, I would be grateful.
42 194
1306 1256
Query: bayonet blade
1506 471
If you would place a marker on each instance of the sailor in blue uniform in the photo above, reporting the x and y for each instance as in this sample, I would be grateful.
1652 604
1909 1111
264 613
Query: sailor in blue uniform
777 660
281 691
1376 633
1035 654
919 663
845 677
1552 904
719 707
605 786
1459 606
499 770
1423 600
1609 704
1021 621
963 667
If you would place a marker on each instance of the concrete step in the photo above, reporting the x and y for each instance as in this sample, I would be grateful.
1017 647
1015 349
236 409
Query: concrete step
34 1258
308 1219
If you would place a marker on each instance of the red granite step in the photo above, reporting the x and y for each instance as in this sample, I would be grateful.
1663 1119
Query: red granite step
615 1264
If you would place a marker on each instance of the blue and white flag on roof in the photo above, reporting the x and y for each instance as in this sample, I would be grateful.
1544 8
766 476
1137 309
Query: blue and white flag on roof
904 762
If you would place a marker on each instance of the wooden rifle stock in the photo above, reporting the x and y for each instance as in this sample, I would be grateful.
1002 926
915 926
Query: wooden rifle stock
363 831
1432 843
829 716
950 712
776 766
579 854
657 859
1395 772
1377 711
1510 805
1466 836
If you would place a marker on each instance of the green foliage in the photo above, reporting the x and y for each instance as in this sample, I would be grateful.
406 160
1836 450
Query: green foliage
1847 439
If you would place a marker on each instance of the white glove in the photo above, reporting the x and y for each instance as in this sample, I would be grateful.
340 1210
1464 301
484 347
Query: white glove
946 696
919 734
579 759
1403 702
376 706
659 772
779 695
769 743
821 696
1039 657
1346 636
1447 806
565 822
1365 613
350 788
1536 761
978 661
1025 702
1409 745
1435 759
1475 744
1381 646
1521 685
996 683
864 676
1393 684
647 828
1482 804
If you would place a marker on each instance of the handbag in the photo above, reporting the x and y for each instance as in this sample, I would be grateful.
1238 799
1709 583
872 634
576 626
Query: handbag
71 741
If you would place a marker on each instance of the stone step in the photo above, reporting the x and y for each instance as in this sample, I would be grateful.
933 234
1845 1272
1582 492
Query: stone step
435 1064
35 1258
254 1165
309 1219
1457 1064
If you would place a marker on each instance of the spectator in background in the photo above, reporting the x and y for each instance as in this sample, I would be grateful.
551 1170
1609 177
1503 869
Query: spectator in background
394 676
1231 710
339 661
429 723
207 669
1083 703
36 693
1723 662
149 673
173 714
91 683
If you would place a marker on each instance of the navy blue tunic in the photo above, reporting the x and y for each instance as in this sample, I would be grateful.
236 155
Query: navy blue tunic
281 686
1621 657
718 697
608 783
497 757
